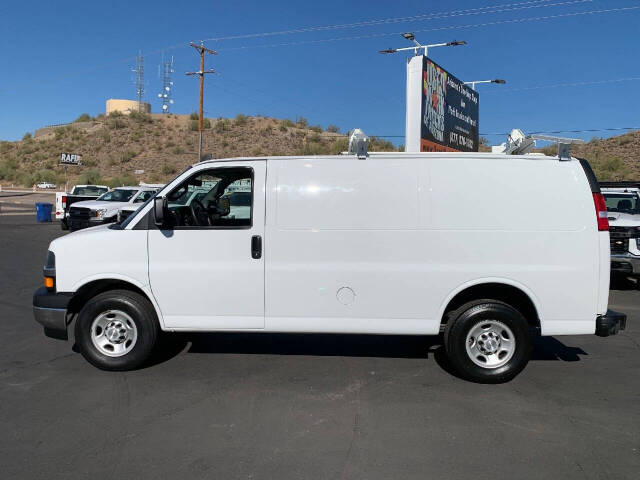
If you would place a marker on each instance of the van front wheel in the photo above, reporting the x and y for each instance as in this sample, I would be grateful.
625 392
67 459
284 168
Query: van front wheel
116 330
488 341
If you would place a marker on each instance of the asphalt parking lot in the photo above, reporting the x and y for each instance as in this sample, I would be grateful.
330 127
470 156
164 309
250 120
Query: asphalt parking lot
270 406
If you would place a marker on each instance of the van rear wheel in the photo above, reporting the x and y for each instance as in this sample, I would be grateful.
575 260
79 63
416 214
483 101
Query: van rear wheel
488 341
117 330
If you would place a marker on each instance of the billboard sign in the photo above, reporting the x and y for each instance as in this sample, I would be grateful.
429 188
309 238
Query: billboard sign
442 112
70 159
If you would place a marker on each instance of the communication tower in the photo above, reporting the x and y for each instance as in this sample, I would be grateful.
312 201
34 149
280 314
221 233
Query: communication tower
139 81
166 70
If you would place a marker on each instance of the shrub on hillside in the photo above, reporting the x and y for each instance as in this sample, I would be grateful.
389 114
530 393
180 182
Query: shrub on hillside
115 122
85 117
140 117
377 144
194 116
316 128
194 124
287 123
222 126
240 119
169 169
302 122
128 155
333 129
5 146
122 180
90 177
26 137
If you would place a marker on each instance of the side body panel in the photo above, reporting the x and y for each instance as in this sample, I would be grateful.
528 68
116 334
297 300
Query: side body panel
380 245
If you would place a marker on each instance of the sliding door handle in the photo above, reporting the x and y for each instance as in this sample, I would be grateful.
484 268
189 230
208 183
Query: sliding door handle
256 247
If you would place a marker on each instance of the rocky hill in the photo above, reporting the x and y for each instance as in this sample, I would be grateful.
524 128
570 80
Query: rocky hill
614 158
127 149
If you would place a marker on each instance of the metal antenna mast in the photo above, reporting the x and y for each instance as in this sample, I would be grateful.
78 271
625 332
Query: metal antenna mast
167 84
139 70
203 51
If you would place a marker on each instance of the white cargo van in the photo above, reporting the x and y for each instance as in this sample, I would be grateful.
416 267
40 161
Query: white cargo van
470 244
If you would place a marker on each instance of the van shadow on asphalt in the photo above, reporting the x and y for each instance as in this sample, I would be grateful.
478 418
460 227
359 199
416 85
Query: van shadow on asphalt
381 346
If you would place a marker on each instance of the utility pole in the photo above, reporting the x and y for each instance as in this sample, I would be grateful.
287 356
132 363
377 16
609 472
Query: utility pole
203 51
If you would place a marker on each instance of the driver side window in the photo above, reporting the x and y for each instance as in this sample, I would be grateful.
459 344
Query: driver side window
215 198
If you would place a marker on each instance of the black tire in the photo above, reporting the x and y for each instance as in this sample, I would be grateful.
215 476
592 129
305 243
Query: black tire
63 225
464 319
141 312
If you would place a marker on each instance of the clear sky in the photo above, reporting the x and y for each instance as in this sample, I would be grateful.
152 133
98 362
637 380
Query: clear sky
62 58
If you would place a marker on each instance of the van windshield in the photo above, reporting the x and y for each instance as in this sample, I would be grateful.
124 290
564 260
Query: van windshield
118 195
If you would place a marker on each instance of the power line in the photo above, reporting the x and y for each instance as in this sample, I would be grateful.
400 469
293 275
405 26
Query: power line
359 37
412 18
587 130
437 29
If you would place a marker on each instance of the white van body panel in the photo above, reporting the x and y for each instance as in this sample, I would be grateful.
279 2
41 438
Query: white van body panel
375 245
404 233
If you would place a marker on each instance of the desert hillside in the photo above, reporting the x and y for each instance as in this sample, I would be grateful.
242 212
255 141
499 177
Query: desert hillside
126 149
614 158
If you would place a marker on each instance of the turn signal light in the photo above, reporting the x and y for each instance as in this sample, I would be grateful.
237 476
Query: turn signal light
49 282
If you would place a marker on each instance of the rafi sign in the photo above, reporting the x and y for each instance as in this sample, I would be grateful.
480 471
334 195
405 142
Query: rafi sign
442 112
70 159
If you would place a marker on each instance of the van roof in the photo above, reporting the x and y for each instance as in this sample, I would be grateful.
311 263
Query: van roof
453 155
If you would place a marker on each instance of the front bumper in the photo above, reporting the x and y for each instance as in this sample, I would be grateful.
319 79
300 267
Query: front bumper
610 323
75 224
50 311
625 263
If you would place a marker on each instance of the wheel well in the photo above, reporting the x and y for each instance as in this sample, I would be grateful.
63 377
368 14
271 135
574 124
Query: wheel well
496 291
91 289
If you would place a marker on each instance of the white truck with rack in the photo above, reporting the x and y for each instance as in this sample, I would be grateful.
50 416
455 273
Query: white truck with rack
623 206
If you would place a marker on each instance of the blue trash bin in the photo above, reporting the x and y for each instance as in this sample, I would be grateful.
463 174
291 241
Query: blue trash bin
43 212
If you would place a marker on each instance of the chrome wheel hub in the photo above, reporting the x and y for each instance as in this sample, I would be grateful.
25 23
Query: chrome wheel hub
114 333
490 344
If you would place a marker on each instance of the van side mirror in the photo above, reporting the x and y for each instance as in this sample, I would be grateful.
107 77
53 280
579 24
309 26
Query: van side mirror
160 207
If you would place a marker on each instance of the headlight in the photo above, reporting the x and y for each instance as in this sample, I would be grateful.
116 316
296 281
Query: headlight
100 213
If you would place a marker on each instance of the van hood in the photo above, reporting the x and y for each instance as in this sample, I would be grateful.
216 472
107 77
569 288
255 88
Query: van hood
72 238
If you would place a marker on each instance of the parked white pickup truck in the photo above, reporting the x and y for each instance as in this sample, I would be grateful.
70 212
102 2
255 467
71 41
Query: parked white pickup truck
623 207
79 193
105 208
386 243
